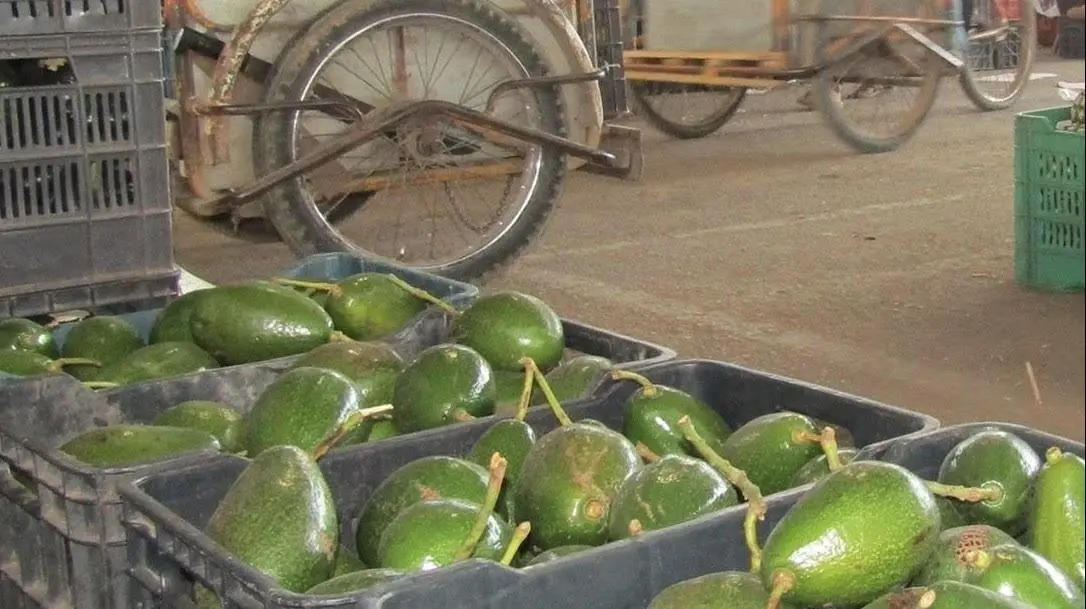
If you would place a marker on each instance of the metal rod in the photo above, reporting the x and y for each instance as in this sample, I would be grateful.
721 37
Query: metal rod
541 81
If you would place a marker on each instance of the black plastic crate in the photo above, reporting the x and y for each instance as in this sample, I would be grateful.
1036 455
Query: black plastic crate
42 17
84 174
166 516
63 540
1071 41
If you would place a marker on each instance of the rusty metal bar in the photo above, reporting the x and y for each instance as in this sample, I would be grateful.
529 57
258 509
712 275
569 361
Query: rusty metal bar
541 81
203 109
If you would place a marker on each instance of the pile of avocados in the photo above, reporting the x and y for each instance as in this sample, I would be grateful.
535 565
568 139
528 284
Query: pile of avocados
1000 527
220 326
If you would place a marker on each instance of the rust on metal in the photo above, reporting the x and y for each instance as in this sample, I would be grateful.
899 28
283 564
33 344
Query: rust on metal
540 81
228 68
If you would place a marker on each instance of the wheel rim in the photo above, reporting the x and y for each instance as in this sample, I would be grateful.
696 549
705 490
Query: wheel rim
695 107
882 93
413 180
999 54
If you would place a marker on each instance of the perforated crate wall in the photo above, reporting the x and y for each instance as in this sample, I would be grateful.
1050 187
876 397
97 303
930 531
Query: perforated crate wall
84 176
1050 195
43 17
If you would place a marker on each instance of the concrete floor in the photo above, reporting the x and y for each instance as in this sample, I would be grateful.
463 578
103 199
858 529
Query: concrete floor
772 245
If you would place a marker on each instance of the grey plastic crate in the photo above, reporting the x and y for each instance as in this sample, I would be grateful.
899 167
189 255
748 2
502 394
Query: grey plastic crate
42 17
84 177
166 516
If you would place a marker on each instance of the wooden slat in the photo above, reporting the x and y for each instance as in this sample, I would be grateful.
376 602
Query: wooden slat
704 79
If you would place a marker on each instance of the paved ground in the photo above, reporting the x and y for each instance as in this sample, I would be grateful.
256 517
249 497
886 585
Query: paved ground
775 246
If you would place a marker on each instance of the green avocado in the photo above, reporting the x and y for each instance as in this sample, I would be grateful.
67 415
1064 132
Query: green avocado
994 458
428 478
19 334
512 439
216 418
568 482
860 531
445 384
818 468
371 306
257 321
103 339
652 419
725 590
1057 513
127 445
427 535
32 363
1020 573
372 366
279 518
575 378
355 581
952 558
667 492
769 451
554 554
507 326
157 361
303 408
174 323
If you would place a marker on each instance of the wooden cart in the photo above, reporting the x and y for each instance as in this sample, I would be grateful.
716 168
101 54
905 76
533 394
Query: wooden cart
859 56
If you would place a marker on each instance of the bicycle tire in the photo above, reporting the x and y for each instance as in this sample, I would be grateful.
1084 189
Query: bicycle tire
1027 51
290 206
687 131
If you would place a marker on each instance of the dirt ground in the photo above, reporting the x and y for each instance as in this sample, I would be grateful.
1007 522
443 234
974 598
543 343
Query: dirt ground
772 245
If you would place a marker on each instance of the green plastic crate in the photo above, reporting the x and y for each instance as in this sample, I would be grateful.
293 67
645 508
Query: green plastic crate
1050 192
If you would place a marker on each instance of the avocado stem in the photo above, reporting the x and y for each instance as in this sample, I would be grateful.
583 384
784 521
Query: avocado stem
320 286
462 416
783 582
648 388
646 453
1053 455
100 385
493 489
545 387
635 528
756 508
339 337
829 448
422 294
986 492
58 364
349 424
519 535
978 559
525 394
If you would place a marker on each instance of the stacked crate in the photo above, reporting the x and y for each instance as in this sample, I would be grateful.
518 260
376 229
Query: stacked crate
84 176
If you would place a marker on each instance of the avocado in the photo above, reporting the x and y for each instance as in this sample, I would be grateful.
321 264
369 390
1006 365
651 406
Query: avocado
857 533
568 482
381 430
555 554
949 514
103 339
512 439
652 419
254 322
903 598
434 477
770 450
216 418
956 595
844 437
32 363
279 518
126 445
725 590
303 407
19 334
355 581
347 561
507 326
575 378
667 492
444 384
427 535
174 323
371 306
1057 513
508 385
1016 571
994 458
818 468
157 361
955 550
372 366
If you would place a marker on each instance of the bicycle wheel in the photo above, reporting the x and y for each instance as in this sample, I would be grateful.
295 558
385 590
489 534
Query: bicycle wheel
1000 53
683 111
893 68
495 194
